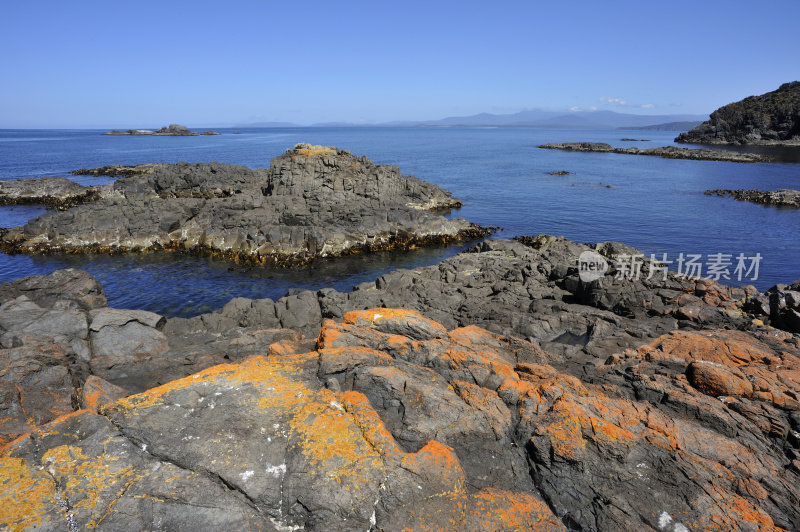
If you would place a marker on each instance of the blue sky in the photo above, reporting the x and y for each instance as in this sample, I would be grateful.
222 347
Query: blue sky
144 64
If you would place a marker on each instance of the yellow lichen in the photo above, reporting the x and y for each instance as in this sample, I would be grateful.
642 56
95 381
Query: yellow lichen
25 494
313 150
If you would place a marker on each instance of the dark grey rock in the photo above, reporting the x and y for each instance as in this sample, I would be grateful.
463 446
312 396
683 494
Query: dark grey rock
313 202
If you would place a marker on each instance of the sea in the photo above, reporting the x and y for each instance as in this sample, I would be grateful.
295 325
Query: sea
655 205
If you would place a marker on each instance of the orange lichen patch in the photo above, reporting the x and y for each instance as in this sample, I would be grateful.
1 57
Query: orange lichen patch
733 511
370 424
328 334
487 403
256 371
312 150
473 336
286 347
436 459
336 359
26 495
86 481
717 380
730 348
535 372
579 414
96 392
332 442
742 360
378 316
566 437
488 510
59 426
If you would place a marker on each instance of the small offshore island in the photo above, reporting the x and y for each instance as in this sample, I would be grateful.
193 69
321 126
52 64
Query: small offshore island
313 202
173 130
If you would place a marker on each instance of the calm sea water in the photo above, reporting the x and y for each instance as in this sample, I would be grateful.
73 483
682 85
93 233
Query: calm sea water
654 204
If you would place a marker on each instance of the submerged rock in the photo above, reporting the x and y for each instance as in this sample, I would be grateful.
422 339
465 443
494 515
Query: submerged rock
313 202
667 152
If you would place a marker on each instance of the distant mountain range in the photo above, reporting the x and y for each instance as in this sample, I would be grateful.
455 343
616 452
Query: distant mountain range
536 118
669 126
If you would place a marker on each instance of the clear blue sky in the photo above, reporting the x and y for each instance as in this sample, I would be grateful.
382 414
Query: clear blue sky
143 64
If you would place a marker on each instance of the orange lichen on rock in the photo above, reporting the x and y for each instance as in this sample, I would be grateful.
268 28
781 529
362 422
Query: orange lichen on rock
27 495
436 459
97 392
335 359
370 424
312 150
84 480
733 511
378 317
723 362
488 403
487 510
729 348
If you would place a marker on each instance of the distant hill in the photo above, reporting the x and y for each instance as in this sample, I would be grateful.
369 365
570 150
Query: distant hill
535 118
553 119
770 119
668 126
268 124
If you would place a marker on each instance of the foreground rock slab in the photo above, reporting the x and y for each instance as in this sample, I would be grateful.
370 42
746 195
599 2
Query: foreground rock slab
775 198
313 202
667 152
392 421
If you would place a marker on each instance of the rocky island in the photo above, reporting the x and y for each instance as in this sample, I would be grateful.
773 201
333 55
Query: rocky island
494 391
770 119
312 202
173 130
775 198
667 152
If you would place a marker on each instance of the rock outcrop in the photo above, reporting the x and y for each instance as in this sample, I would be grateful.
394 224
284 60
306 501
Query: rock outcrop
54 192
770 119
390 421
666 152
313 202
119 170
775 198
173 130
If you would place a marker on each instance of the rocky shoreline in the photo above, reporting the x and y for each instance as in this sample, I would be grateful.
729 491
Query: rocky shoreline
173 130
771 119
495 390
313 202
775 198
666 152
54 192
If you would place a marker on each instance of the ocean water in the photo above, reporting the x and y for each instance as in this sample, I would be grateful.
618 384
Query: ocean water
656 205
